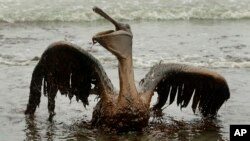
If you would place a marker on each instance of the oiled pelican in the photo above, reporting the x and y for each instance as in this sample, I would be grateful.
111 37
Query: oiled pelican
71 70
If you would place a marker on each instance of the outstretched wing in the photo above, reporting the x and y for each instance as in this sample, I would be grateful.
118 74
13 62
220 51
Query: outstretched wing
69 69
208 89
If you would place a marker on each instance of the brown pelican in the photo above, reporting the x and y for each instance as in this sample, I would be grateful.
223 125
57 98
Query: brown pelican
72 71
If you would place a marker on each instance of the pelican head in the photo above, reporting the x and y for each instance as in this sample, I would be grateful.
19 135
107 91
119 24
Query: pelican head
119 41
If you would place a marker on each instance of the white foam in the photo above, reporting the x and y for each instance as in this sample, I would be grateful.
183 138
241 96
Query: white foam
80 10
13 60
211 63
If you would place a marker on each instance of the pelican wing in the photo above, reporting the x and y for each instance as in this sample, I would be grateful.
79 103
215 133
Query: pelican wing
66 68
182 82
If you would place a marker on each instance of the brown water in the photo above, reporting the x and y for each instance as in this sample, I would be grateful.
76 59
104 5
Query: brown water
223 46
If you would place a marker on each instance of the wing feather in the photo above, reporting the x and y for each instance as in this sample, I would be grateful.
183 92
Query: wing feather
173 93
208 89
187 95
66 68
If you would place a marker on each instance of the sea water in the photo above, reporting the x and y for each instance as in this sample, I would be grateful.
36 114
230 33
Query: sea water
207 33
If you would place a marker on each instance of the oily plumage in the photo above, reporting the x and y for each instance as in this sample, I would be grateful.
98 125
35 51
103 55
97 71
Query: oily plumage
182 82
66 68
74 72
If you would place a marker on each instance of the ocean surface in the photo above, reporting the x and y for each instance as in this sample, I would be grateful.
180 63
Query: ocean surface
207 33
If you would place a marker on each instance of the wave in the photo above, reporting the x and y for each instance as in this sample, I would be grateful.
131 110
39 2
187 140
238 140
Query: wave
211 63
12 60
80 10
142 62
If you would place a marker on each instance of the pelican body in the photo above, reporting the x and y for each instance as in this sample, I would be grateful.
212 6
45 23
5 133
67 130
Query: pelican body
67 68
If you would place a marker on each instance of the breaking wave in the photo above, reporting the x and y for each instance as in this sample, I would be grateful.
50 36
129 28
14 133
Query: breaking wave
81 10
141 62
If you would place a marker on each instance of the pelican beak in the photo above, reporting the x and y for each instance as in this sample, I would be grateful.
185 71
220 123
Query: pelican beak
118 26
95 38
119 41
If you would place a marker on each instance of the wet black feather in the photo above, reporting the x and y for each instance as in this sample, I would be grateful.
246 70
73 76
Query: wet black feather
66 68
208 89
